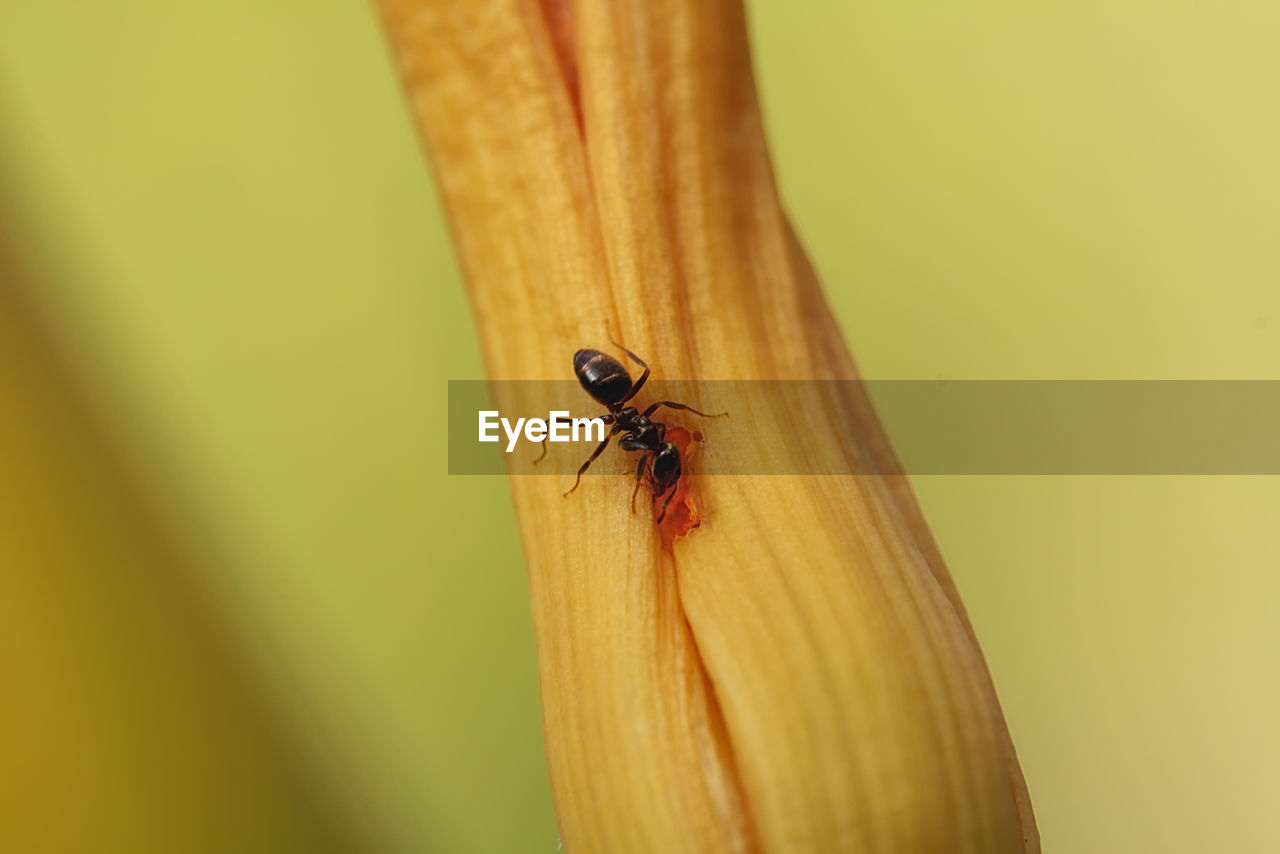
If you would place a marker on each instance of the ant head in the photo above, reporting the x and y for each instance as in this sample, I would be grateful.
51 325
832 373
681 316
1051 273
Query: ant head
602 376
666 465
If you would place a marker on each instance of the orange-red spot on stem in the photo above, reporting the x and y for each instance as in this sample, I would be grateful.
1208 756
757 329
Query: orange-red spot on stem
682 516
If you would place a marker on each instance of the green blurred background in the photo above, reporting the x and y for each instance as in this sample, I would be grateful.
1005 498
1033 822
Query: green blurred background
242 607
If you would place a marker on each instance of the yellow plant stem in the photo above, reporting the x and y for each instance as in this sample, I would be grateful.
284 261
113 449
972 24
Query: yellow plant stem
797 674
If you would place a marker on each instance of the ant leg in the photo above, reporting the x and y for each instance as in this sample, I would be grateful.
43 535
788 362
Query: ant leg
673 405
591 459
675 487
640 382
544 444
633 356
644 458
607 419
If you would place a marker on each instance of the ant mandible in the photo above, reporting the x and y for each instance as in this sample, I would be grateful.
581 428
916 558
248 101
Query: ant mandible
607 381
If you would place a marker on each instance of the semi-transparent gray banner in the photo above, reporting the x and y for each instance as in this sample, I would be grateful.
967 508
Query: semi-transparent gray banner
935 427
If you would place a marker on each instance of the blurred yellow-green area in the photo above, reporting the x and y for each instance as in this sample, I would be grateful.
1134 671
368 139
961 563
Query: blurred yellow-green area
243 607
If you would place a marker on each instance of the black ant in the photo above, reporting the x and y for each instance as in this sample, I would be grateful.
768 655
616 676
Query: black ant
607 381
